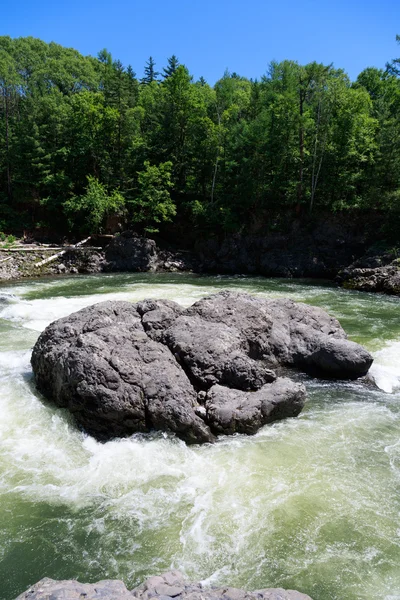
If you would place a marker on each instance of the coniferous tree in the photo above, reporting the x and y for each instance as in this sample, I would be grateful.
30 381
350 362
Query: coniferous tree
170 69
393 67
150 73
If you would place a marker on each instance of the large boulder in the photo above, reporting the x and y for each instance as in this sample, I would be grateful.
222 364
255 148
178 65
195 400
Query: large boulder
236 339
131 252
163 587
213 368
100 364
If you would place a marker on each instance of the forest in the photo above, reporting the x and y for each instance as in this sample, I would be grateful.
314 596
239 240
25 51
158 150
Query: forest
84 142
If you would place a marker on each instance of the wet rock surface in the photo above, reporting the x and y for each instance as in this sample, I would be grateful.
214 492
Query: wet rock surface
163 587
234 411
213 368
100 364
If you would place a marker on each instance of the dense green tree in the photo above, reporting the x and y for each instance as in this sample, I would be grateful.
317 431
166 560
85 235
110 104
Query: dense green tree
153 204
87 213
303 138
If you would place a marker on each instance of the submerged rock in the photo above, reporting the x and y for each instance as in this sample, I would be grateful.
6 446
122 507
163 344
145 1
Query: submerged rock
163 587
122 368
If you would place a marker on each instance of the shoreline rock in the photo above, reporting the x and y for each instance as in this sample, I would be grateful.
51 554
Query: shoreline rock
164 587
123 368
323 253
373 273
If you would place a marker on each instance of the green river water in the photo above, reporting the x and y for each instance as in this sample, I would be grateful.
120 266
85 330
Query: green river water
311 503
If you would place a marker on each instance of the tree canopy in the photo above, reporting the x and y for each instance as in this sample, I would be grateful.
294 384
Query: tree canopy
82 138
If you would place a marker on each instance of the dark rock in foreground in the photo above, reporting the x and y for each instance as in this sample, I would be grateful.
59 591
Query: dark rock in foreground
122 368
164 587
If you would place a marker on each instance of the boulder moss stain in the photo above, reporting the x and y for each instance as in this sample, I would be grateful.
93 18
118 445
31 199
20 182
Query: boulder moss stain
122 368
166 586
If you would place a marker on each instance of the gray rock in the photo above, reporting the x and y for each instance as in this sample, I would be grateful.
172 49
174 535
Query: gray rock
236 339
130 252
373 274
100 364
233 411
214 352
157 315
168 585
48 589
121 368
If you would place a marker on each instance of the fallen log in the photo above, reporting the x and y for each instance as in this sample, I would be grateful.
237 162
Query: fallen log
55 256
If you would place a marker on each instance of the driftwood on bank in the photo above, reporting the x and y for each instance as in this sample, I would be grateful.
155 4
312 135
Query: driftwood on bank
39 249
55 256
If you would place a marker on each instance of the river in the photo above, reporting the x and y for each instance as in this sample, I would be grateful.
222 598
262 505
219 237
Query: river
311 503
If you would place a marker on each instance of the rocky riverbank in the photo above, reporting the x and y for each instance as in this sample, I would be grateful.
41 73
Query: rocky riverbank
373 273
324 253
127 252
171 585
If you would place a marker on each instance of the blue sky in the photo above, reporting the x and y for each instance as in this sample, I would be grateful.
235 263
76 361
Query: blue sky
210 36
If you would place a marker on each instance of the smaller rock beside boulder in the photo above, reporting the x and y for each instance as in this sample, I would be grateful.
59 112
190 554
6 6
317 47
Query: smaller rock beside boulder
164 587
234 411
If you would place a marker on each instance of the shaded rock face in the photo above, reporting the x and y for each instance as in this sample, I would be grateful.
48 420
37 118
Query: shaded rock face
128 252
320 251
210 369
163 587
131 252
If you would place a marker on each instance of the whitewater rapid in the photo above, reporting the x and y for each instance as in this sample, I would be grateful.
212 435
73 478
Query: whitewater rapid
310 503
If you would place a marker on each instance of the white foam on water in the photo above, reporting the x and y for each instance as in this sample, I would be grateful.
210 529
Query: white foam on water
307 498
14 362
386 367
37 314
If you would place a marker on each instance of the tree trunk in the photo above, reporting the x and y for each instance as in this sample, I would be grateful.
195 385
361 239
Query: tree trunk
301 149
214 180
8 167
